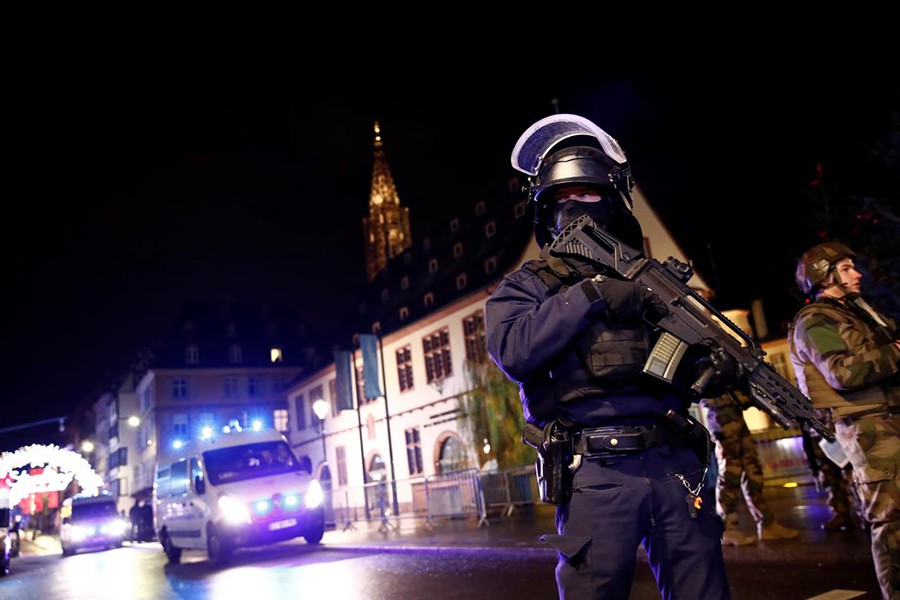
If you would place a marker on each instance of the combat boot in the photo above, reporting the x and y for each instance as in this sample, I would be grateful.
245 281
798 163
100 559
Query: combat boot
776 531
838 523
733 535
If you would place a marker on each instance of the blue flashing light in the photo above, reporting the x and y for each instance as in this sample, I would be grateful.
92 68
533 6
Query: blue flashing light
257 425
177 444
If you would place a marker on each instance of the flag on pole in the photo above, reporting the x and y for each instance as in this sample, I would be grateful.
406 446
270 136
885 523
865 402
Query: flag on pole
368 343
342 385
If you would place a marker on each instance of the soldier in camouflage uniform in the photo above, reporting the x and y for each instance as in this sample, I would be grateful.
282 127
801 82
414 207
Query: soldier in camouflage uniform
739 472
847 360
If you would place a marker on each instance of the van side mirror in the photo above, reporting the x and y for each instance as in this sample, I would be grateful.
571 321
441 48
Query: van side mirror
200 484
306 464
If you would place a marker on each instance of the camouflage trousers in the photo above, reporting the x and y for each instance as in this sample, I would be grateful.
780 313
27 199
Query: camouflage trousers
873 446
740 472
837 483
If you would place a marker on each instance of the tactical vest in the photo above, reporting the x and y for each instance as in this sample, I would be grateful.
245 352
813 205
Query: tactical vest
603 359
872 399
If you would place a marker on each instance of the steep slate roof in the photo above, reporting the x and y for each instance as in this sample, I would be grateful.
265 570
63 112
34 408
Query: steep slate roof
492 233
214 328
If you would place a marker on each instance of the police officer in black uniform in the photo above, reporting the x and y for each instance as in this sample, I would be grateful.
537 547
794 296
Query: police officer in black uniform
575 338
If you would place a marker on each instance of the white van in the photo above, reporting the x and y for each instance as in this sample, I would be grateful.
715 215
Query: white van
90 521
236 490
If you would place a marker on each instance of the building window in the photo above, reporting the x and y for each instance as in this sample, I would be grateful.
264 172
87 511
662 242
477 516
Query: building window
300 411
433 265
457 249
454 225
361 386
428 300
255 387
404 313
404 368
192 354
490 229
414 452
385 295
452 455
473 330
404 282
426 244
438 363
231 387
317 393
519 209
332 393
461 281
280 418
180 429
276 355
341 456
179 388
479 208
490 265
187 329
235 356
231 330
148 398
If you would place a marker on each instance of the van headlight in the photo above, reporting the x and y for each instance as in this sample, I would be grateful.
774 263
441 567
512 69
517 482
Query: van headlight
233 510
314 495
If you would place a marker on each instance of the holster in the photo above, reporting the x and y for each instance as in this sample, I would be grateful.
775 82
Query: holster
555 453
692 434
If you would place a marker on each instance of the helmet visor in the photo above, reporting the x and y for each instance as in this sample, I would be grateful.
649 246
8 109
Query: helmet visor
538 139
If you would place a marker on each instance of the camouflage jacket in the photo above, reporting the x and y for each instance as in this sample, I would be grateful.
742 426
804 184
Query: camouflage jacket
841 362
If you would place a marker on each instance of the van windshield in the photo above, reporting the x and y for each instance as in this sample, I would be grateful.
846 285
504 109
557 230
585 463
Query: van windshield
250 461
94 510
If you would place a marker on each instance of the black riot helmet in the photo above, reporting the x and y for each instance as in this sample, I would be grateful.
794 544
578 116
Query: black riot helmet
567 149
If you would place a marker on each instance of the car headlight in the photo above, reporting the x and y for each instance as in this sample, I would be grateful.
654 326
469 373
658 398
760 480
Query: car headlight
314 494
233 510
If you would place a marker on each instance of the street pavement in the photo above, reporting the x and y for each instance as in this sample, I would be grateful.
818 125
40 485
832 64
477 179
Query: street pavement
802 508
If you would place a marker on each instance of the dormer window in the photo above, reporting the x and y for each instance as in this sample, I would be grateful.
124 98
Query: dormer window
457 249
192 354
404 282
235 355
432 265
461 281
479 208
404 313
519 209
490 229
454 225
428 299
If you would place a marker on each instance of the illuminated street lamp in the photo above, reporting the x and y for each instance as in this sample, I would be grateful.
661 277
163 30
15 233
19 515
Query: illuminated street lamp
320 407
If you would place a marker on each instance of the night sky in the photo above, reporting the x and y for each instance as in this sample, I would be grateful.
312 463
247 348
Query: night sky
130 192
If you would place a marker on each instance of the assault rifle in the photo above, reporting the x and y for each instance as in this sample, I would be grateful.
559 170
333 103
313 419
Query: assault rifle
691 320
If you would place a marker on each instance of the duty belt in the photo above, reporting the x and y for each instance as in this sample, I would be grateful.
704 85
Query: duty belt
618 439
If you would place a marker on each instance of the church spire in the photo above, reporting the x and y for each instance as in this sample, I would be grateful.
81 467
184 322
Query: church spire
387 226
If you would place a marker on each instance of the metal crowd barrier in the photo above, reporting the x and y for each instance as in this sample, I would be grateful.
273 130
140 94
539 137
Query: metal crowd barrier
476 494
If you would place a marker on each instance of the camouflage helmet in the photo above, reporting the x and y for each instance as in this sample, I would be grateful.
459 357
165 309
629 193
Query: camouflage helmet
816 263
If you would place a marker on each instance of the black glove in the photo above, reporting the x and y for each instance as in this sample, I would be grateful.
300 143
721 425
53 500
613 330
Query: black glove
627 300
716 373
